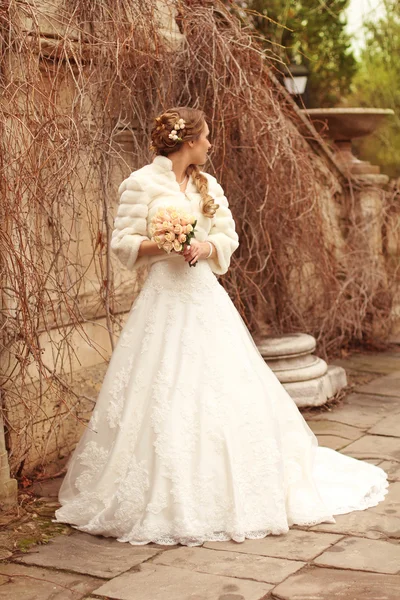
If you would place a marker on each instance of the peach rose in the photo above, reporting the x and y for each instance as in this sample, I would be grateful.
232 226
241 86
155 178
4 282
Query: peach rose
159 239
170 236
188 228
182 237
177 245
178 228
168 246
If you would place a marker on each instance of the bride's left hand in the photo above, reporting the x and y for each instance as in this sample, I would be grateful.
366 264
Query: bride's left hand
196 251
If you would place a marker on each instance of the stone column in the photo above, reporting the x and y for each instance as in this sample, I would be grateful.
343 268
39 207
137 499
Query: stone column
8 486
306 377
370 214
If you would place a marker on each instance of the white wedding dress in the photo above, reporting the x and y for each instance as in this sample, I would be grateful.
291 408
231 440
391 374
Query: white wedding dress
193 438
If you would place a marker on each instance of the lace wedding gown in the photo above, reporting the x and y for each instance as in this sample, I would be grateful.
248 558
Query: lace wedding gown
193 438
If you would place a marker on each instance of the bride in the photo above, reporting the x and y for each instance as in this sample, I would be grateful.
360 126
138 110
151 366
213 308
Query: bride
193 438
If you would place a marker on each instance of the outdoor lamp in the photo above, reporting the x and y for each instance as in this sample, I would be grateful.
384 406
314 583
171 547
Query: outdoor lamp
296 80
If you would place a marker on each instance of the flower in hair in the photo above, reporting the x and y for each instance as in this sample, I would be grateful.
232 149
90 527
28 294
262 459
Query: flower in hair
180 124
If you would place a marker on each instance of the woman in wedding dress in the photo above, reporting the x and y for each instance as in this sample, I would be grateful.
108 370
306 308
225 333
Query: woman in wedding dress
193 438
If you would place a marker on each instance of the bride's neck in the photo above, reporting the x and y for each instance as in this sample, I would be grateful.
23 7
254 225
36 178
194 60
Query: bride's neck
179 166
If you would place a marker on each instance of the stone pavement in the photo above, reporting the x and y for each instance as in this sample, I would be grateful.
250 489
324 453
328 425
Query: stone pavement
356 558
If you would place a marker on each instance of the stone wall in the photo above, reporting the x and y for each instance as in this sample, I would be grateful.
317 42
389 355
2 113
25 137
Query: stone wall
44 418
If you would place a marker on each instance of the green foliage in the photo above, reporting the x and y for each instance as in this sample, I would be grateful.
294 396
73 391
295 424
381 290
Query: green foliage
376 85
312 34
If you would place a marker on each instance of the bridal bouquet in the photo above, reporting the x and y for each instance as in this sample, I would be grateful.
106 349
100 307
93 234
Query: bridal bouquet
172 229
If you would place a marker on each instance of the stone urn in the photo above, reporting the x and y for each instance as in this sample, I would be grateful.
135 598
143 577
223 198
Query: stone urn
341 125
306 377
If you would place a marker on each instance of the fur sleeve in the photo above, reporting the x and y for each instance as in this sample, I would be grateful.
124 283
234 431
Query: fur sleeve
223 231
130 223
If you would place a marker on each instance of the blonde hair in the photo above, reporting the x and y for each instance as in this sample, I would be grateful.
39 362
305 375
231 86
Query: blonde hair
162 144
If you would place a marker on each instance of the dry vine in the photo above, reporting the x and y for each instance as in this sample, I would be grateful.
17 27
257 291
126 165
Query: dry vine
66 97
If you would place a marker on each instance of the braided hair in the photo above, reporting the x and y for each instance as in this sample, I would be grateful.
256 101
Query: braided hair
162 144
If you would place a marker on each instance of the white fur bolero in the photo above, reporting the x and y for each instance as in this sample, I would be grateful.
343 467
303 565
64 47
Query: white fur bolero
155 185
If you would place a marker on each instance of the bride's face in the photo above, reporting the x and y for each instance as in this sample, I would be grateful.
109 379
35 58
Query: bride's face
198 149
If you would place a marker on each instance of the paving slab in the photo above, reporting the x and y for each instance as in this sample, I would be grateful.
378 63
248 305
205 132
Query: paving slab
391 503
390 404
374 446
318 583
359 410
389 385
89 554
382 363
348 432
21 582
233 564
374 461
388 426
294 545
48 488
332 441
363 523
361 554
158 582
392 468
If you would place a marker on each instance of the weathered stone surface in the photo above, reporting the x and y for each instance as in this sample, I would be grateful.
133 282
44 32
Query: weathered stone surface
391 504
374 446
363 523
90 554
358 415
332 441
48 488
19 582
362 555
333 428
234 564
382 362
388 426
4 553
294 545
388 404
157 582
316 583
314 391
374 461
389 385
392 468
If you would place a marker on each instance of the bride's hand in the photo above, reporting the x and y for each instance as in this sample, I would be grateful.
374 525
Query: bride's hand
196 251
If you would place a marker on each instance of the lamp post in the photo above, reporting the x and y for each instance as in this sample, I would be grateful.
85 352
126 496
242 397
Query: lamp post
295 81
